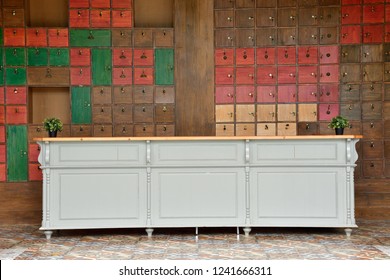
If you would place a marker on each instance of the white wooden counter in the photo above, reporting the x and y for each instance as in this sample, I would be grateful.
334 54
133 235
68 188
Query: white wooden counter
302 181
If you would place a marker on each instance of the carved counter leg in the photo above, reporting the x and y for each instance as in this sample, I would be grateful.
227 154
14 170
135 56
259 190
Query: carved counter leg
48 234
247 230
348 232
149 231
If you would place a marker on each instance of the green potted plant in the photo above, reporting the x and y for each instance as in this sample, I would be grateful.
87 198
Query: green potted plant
338 124
52 125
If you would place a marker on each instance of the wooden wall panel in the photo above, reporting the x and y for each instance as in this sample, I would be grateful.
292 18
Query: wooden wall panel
194 47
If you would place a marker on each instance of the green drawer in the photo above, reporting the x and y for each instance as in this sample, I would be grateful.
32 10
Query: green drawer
37 56
81 105
59 57
15 56
15 76
101 67
90 38
164 66
17 154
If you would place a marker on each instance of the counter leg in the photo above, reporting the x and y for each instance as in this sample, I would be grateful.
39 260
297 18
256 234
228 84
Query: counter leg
348 232
149 231
247 230
48 234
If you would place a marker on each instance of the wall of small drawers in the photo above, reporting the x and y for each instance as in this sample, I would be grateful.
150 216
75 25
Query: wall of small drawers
100 74
289 67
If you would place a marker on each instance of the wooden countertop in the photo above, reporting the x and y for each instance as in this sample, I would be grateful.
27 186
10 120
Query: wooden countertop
193 138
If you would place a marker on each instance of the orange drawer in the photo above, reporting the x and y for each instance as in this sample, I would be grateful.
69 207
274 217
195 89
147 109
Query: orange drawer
122 76
100 18
122 18
245 75
308 55
287 74
79 3
3 176
143 76
245 56
2 95
100 4
33 152
2 134
224 57
286 55
122 57
36 37
16 114
79 18
144 57
34 172
2 115
308 74
16 95
266 56
224 75
14 37
80 76
2 153
80 57
122 4
58 37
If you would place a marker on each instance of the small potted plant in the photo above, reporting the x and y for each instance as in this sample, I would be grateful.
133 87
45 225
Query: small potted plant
52 125
338 124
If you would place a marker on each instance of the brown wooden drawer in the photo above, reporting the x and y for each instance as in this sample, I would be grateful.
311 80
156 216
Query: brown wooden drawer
165 130
373 129
143 94
372 72
13 17
373 149
307 112
245 129
308 128
329 35
387 92
224 113
123 113
387 72
123 130
123 95
287 112
245 18
287 129
308 16
224 19
245 113
372 53
102 114
102 130
143 37
287 17
224 130
266 113
245 38
387 128
53 76
386 110
350 54
165 113
372 168
308 35
102 95
224 38
122 37
372 110
372 92
144 130
350 92
324 129
164 95
387 149
223 4
143 113
13 3
266 37
351 111
265 17
287 36
266 129
81 131
354 128
329 15
163 38
36 131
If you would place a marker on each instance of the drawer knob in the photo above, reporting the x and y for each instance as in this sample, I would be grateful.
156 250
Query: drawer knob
144 128
252 114
102 128
14 32
58 33
366 54
79 13
266 127
328 112
102 91
230 114
144 56
122 90
372 145
293 113
344 35
292 37
372 125
251 94
143 75
230 95
229 75
292 75
285 54
143 109
15 52
271 38
122 56
271 18
272 114
251 18
387 72
38 129
230 19
81 129
15 91
344 54
345 15
123 74
313 75
122 14
224 128
100 14
372 107
36 32
102 110
271 75
37 51
230 38
91 37
165 109
314 94
314 37
372 165
272 94
122 34
81 72
292 17
367 34
287 126
314 17
13 12
123 129
123 109
165 128
16 71
80 52
48 73
350 107
345 74
307 126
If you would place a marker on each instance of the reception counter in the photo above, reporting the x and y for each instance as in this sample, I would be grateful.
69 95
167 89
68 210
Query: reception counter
243 182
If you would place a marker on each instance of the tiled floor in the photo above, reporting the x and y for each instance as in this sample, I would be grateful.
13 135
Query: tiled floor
370 242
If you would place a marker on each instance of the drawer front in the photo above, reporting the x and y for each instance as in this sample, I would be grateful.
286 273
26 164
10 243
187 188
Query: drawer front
58 37
265 17
164 95
163 38
350 73
144 130
245 113
14 37
351 14
15 76
102 66
223 4
224 95
372 168
2 134
224 38
79 18
15 56
224 75
286 55
122 18
59 57
287 36
373 129
287 129
81 131
266 129
33 152
36 131
16 95
329 73
165 113
16 114
245 75
287 17
122 57
287 112
350 92
373 72
266 37
351 111
81 105
329 55
122 76
245 94
100 4
308 74
267 75
224 130
224 113
372 110
100 18
102 95
164 66
287 93
13 17
224 18
266 56
308 16
143 94
122 38
245 18
80 76
329 93
328 111
372 92
307 93
79 3
307 112
373 34
245 56
102 130
34 172
372 53
351 34
245 129
123 95
90 38
143 57
373 13
287 74
308 128
308 55
143 76
266 94
245 38
308 35
143 38
37 57
123 113
123 130
329 35
329 16
350 54
80 57
165 130
266 113
143 113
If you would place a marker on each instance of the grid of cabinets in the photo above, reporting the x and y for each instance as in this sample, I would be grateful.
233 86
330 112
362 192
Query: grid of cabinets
99 71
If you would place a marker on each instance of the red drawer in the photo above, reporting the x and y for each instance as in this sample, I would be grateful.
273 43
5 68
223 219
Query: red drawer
224 95
100 18
245 75
351 14
80 57
266 94
328 111
123 57
287 55
329 93
351 34
224 57
143 76
16 114
2 153
224 75
245 94
329 73
100 3
287 93
387 13
14 37
144 57
307 93
350 2
34 172
58 37
79 18
36 37
2 95
307 55
3 176
373 13
33 152
79 3
373 33
16 95
80 76
2 115
329 54
2 131
266 75
122 76
245 56
287 74
308 74
122 4
266 56
122 18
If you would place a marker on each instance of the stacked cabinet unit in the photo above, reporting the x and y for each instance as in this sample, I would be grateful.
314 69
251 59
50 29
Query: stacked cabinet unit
91 63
